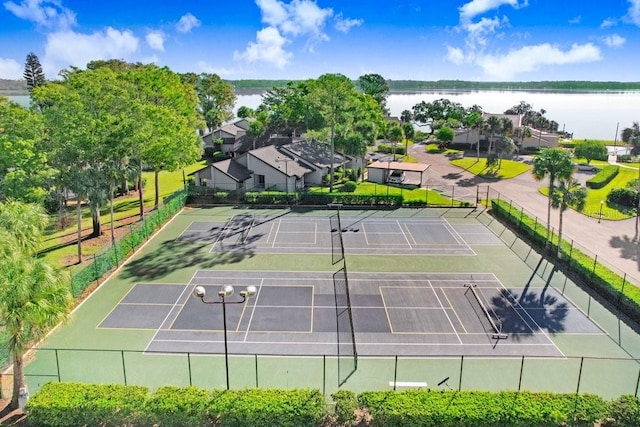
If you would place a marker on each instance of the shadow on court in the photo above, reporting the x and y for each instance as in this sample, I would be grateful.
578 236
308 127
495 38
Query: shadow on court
173 255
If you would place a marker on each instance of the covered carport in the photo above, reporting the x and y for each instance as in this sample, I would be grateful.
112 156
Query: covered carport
379 172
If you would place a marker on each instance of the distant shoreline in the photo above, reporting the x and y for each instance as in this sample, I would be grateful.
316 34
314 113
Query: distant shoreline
257 87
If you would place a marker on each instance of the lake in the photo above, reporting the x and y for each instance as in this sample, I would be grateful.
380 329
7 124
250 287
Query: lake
593 115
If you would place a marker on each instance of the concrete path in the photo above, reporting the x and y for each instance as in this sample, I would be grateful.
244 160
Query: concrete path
614 242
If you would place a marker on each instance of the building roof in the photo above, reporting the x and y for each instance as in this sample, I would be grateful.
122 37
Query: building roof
318 154
282 160
233 169
408 167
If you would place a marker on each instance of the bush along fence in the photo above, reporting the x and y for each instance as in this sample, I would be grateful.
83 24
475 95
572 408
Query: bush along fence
112 257
437 196
612 286
72 404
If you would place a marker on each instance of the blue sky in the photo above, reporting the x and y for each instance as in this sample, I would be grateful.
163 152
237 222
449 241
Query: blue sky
480 40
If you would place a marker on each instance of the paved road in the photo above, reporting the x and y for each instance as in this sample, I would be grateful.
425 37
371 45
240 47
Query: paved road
615 242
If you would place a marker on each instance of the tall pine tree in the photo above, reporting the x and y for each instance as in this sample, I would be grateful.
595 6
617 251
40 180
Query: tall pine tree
33 73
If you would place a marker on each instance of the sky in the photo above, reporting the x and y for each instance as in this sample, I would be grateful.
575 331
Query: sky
477 40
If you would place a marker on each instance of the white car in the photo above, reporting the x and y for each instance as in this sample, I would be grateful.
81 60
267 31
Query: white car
396 177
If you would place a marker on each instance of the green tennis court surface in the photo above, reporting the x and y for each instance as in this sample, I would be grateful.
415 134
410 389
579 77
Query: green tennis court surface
434 293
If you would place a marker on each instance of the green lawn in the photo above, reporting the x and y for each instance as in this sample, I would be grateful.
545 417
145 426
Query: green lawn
56 250
628 172
409 193
508 169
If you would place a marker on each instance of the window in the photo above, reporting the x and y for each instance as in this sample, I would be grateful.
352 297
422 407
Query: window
258 181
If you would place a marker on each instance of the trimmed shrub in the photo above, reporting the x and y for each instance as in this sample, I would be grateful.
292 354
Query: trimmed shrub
349 187
417 408
178 406
346 405
623 196
77 404
267 408
624 412
603 177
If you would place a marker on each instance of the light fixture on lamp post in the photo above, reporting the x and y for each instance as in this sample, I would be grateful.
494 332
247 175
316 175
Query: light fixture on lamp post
224 293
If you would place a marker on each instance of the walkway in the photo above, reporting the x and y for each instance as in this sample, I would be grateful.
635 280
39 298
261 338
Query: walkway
613 241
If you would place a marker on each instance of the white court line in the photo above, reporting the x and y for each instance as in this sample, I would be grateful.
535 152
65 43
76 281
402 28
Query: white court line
275 237
188 285
404 234
454 311
445 312
253 310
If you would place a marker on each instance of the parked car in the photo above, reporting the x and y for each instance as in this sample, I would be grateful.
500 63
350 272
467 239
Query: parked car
586 167
396 177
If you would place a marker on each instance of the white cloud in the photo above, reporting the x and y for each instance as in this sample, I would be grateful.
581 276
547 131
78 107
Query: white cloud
187 23
478 31
269 48
10 69
474 8
155 40
633 14
455 55
530 58
66 48
614 40
575 20
345 24
285 22
608 23
46 13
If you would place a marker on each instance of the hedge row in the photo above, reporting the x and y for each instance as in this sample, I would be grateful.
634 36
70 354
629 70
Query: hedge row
603 280
74 404
603 177
280 198
418 408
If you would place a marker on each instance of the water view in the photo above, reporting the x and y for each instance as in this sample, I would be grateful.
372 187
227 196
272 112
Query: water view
592 115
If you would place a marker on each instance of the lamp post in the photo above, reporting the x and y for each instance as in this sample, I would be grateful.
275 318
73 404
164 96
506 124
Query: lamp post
600 214
225 292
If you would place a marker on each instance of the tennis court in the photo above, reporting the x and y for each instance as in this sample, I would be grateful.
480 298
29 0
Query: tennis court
429 294
393 314
366 235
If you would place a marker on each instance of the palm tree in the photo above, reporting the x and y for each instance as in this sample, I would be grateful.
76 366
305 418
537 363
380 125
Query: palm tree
554 164
569 192
493 126
524 133
33 296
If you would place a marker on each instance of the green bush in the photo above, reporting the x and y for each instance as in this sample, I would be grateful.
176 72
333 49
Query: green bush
349 187
388 149
175 406
624 412
603 177
417 408
76 404
623 196
267 408
270 198
346 406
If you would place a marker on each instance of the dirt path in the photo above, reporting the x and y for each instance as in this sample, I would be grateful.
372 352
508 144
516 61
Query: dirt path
614 242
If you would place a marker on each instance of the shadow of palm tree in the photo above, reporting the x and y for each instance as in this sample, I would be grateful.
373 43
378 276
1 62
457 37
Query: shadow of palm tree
523 314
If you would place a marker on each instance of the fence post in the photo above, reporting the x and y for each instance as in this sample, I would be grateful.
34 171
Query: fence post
324 375
395 373
579 375
637 385
255 358
189 367
488 195
453 193
521 371
57 365
95 269
460 379
124 368
477 196
624 282
570 253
